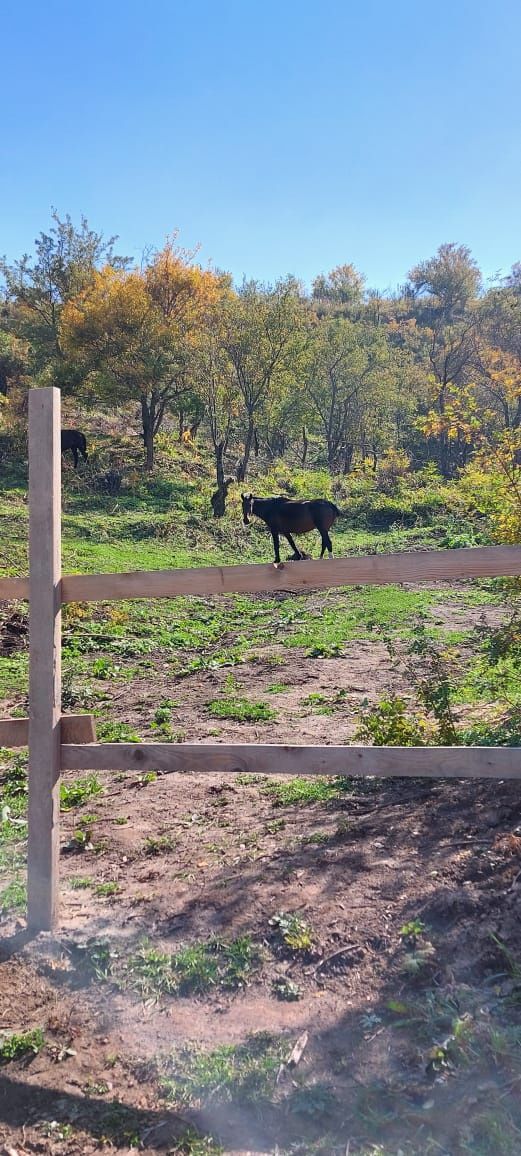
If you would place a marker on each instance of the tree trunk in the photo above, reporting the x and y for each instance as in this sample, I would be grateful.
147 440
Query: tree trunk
219 465
181 424
348 457
305 445
242 466
218 499
148 413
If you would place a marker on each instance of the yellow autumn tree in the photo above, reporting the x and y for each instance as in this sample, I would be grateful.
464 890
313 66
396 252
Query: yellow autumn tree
135 332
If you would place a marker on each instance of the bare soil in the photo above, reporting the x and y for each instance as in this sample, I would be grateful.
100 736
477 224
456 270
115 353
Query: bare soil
356 867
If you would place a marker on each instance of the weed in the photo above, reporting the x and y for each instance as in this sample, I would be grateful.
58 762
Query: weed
156 845
274 825
277 688
313 1101
389 725
15 1045
316 837
103 668
286 989
76 793
81 840
292 932
54 1130
411 932
105 890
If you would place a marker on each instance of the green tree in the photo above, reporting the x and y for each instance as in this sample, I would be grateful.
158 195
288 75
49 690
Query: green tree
451 278
264 336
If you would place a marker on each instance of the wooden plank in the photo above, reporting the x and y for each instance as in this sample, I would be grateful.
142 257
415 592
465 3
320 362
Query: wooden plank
14 588
75 728
372 569
44 656
196 758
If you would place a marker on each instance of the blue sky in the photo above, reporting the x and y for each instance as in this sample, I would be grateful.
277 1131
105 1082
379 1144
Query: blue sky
284 137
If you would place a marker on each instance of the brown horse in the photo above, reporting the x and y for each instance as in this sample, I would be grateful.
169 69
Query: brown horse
75 441
287 517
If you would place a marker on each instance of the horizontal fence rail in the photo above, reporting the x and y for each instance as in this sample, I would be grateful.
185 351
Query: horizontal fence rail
377 569
368 569
75 728
14 588
267 759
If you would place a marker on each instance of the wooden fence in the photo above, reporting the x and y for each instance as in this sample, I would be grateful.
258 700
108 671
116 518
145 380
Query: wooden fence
59 742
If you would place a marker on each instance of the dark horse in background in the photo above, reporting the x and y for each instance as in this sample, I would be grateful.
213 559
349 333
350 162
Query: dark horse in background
287 517
76 442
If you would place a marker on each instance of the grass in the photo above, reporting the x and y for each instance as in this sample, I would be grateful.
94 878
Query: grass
240 710
106 890
299 791
14 897
230 1074
192 970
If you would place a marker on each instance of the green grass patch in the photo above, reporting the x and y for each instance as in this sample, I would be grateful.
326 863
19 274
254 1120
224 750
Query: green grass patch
230 1074
14 897
16 1045
240 710
301 791
80 882
106 890
116 732
193 970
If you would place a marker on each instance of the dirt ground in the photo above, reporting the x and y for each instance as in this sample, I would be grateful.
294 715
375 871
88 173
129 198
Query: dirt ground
198 857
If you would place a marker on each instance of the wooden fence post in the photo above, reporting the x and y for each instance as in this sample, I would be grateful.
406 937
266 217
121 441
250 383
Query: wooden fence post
44 656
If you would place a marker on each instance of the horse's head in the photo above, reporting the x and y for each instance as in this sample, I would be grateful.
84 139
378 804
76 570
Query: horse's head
247 507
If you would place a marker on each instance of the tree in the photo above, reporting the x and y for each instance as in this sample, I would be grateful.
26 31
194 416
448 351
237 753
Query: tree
64 263
343 287
347 360
135 332
451 277
216 386
263 337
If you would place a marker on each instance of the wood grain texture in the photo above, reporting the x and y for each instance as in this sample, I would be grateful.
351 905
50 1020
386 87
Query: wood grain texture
44 657
263 759
372 569
14 588
75 728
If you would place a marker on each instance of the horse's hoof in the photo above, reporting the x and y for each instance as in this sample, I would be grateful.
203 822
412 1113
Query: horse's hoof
278 565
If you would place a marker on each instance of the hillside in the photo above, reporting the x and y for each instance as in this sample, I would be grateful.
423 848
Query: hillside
208 924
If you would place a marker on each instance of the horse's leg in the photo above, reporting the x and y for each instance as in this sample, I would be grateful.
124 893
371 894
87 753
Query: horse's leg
75 456
276 545
296 556
326 544
325 539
